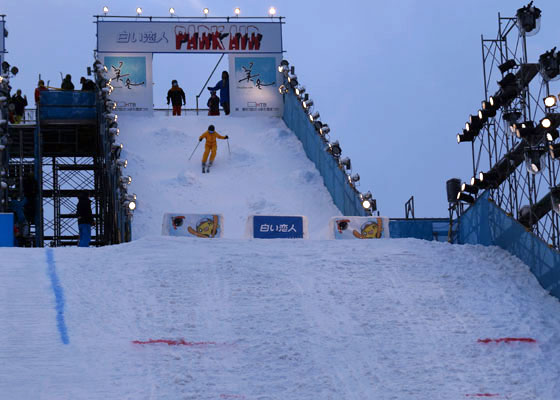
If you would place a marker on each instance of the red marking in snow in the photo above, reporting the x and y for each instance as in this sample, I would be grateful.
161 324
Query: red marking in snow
507 340
180 342
482 395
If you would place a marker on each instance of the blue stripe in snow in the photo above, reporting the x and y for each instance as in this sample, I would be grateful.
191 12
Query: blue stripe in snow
59 297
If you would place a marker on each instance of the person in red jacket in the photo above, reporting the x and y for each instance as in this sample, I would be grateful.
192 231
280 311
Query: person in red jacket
40 87
177 97
211 146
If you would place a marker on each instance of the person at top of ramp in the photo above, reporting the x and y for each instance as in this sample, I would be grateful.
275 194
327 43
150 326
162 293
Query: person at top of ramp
211 146
223 87
177 97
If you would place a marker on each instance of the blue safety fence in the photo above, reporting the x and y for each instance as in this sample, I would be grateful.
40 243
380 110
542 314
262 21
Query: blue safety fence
487 224
344 196
426 229
67 105
6 230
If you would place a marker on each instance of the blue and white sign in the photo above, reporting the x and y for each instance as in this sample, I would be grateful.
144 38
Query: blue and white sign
278 227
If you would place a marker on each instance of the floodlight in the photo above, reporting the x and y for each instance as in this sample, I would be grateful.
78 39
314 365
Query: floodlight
122 163
139 11
5 66
485 113
117 147
272 11
511 117
550 121
125 179
528 19
366 200
292 79
465 187
315 116
555 199
552 135
237 11
549 65
554 151
525 129
465 137
283 66
205 12
114 131
324 129
299 90
467 198
355 178
509 64
282 89
334 149
508 80
494 101
131 205
550 101
306 104
534 160
172 11
130 197
105 10
346 163
110 116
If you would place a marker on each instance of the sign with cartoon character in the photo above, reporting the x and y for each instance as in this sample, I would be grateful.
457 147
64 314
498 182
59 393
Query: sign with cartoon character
189 37
206 226
254 82
277 227
131 78
359 227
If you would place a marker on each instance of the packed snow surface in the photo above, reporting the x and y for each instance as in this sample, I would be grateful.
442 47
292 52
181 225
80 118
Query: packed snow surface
280 319
264 171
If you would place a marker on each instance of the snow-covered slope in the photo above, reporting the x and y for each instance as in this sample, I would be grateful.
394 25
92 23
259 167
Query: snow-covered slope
266 173
255 320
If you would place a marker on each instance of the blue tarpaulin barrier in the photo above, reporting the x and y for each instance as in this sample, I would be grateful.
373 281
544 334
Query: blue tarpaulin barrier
487 224
67 104
345 198
426 229
6 230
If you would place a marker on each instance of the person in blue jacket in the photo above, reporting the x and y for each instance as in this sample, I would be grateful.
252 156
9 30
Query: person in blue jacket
223 87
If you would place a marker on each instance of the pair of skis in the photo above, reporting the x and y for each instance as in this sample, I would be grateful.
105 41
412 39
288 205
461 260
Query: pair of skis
205 168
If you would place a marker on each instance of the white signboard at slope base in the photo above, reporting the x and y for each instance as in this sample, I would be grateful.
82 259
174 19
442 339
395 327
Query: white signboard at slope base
189 37
350 227
131 78
253 85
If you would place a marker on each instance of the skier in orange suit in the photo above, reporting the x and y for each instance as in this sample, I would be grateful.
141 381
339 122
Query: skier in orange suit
211 146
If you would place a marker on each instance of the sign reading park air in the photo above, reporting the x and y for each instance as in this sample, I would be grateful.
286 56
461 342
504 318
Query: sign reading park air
189 37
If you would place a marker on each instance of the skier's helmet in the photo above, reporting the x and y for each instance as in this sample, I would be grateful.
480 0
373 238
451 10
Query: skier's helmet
211 128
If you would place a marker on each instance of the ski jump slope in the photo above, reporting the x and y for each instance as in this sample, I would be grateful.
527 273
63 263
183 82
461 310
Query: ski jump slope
187 318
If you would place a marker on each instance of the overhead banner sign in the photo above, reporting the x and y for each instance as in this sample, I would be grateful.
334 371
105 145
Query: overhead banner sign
131 78
254 82
189 37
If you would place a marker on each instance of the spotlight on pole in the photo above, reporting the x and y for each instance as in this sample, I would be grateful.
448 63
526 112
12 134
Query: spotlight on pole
307 104
367 200
334 149
237 11
282 89
467 198
549 65
172 11
509 64
552 135
550 121
284 66
205 12
465 137
534 160
138 11
465 187
528 19
554 151
346 163
550 101
355 178
105 10
315 116
324 129
299 90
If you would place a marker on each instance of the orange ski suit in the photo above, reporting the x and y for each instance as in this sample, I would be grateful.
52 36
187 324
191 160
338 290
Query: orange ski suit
211 145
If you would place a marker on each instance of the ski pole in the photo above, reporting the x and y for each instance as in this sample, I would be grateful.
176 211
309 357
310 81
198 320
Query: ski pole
194 150
229 150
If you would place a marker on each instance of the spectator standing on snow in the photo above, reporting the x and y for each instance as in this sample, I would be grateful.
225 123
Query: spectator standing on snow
85 219
40 87
223 87
87 84
213 104
67 83
177 97
19 103
211 147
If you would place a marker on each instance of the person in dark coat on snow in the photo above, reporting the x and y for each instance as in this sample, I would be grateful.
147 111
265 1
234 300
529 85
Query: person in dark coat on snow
67 83
213 104
19 103
223 87
87 84
85 219
177 97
